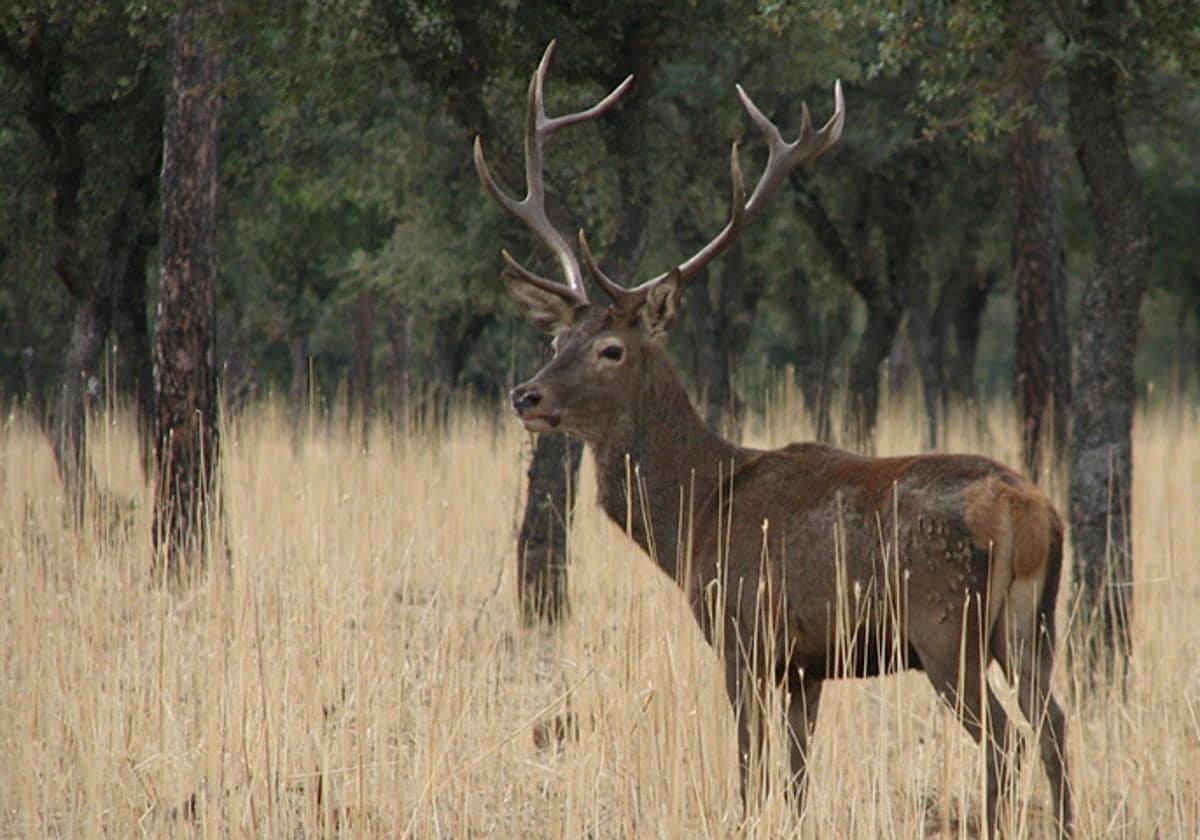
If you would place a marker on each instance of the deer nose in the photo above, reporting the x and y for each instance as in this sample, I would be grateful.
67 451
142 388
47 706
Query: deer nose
525 397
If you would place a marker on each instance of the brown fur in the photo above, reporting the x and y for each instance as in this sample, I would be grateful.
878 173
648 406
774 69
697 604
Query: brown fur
911 549
1017 517
805 563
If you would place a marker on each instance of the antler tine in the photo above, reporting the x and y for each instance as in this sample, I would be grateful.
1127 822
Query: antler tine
617 293
548 125
532 208
537 279
782 159
737 220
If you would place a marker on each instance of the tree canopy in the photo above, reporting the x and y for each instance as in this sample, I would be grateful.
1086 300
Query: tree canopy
347 177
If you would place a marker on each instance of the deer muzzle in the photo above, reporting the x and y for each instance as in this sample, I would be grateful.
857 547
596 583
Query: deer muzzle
535 411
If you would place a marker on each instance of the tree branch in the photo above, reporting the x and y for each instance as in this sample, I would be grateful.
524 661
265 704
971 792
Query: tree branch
808 202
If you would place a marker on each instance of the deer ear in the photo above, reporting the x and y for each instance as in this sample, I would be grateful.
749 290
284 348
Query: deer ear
548 312
659 308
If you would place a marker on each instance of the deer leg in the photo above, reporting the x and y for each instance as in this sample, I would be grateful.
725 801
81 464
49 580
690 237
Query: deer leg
804 697
735 682
1053 740
961 682
1001 649
1054 758
1028 664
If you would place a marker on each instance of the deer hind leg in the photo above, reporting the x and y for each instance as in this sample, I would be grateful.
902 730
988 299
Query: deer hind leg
804 697
958 673
1027 657
737 681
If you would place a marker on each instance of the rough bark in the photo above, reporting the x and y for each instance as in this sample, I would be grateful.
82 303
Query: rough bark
186 500
1103 399
1042 343
542 551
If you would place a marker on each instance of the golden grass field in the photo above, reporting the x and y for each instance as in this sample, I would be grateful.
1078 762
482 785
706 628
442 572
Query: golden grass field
362 670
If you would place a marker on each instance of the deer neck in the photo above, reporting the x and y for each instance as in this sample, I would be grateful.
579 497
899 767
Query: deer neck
660 466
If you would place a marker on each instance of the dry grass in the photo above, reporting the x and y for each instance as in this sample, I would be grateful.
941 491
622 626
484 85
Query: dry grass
360 669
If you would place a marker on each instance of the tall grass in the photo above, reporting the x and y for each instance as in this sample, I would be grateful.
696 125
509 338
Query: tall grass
358 665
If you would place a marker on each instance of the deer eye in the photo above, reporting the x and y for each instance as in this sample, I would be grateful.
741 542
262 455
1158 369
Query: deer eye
612 352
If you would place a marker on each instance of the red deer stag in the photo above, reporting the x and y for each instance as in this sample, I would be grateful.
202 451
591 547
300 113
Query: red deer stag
953 560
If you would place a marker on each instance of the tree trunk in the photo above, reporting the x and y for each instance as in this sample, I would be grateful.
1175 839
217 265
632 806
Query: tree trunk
238 377
542 544
64 132
903 194
852 259
1104 394
1043 346
817 339
80 384
718 335
454 337
82 361
624 132
862 382
300 388
186 500
721 333
927 335
361 385
736 309
966 312
400 344
131 326
35 402
925 332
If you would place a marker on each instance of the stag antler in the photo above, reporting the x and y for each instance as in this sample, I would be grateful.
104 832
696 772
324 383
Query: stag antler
782 159
532 208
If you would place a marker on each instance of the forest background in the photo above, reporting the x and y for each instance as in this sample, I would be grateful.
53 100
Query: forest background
359 254
1013 200
998 256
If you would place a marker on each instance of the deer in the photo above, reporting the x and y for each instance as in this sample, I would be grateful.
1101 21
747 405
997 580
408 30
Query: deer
805 563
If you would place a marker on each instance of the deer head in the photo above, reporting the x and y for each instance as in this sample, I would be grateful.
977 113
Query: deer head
604 352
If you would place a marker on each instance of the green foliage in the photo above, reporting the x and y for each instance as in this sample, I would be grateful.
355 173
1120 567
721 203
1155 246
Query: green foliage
80 127
345 160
